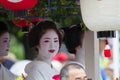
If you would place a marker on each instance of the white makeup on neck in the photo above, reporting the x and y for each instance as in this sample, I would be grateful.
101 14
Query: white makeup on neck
4 44
48 46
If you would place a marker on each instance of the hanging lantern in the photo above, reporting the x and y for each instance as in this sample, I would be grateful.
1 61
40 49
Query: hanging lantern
24 22
18 4
107 51
101 15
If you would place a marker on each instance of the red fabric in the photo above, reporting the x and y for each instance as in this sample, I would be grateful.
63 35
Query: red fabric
107 53
61 56
21 5
56 77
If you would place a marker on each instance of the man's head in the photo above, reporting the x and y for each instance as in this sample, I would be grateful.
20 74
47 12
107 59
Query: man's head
73 71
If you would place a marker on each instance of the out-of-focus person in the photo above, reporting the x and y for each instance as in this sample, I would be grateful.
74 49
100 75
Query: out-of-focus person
45 38
5 74
73 38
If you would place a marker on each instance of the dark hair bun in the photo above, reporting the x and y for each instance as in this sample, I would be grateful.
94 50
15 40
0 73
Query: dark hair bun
73 37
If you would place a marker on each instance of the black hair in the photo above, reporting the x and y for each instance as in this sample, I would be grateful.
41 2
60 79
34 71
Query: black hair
3 28
39 29
73 37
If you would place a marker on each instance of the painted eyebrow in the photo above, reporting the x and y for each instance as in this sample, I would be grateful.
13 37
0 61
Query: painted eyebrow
46 38
5 38
49 38
55 38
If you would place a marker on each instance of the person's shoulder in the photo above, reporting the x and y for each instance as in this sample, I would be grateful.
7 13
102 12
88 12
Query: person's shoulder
35 65
7 72
8 63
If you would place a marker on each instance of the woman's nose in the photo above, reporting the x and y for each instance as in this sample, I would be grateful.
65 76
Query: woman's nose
52 44
8 45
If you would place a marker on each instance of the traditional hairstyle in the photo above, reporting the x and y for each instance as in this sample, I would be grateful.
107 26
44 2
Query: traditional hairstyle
39 29
64 73
3 28
73 37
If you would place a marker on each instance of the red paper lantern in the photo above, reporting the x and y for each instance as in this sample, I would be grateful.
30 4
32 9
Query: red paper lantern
36 19
22 22
18 4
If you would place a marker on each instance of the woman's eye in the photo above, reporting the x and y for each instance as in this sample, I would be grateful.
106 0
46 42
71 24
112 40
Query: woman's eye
46 41
5 41
56 41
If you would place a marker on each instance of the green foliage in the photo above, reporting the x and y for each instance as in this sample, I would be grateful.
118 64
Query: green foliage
17 48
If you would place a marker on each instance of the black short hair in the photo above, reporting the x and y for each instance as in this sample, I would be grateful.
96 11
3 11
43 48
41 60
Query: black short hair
3 27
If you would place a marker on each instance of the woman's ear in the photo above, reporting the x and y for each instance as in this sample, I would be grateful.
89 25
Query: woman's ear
37 46
78 48
62 34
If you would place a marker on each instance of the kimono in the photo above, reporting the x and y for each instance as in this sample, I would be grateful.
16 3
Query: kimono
39 70
5 74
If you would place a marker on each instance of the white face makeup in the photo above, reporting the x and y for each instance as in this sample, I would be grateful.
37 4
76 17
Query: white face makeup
4 44
48 46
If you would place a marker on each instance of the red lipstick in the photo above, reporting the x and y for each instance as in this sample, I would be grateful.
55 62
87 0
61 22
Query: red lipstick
52 51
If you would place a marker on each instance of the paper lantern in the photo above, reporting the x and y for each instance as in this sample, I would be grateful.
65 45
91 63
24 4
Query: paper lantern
18 4
101 15
23 22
